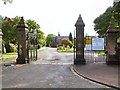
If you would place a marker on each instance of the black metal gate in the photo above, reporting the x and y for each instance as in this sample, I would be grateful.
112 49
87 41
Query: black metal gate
32 46
94 57
91 55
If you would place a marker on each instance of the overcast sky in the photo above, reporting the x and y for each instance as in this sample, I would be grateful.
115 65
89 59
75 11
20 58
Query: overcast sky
57 15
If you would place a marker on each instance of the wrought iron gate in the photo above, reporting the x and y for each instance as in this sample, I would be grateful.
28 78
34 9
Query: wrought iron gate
91 55
32 46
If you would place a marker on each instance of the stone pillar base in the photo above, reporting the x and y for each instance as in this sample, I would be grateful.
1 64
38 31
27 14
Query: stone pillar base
112 60
79 62
20 61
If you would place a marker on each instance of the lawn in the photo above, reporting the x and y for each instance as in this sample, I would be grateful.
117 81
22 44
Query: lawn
101 52
11 57
66 50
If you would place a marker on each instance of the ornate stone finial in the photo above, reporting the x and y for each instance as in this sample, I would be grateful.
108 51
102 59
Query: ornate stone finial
112 27
80 21
22 23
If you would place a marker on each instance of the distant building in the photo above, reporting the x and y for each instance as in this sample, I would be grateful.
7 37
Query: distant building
58 40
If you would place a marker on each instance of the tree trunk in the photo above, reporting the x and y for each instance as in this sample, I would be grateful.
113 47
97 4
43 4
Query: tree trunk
3 48
7 46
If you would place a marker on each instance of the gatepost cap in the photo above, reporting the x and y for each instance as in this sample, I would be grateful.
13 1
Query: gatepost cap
22 23
79 21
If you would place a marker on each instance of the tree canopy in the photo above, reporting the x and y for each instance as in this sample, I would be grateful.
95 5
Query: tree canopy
66 42
34 27
50 39
9 29
103 21
1 21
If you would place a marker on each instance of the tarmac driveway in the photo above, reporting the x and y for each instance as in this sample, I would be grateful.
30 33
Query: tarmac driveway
52 70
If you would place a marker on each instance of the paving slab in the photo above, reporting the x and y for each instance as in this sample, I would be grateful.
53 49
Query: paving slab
101 73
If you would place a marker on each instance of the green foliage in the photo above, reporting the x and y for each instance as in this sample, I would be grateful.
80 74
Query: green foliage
102 22
116 13
101 52
63 49
50 39
66 42
9 47
41 38
9 29
32 25
13 48
118 40
1 21
116 16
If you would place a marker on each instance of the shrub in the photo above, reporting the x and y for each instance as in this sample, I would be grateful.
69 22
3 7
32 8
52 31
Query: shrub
13 48
59 48
66 42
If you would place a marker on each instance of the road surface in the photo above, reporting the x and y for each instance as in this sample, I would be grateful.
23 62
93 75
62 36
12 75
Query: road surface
52 70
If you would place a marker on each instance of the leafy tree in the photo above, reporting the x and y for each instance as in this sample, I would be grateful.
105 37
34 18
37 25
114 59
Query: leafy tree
66 42
1 21
116 13
9 29
70 37
50 39
32 25
41 38
102 22
14 33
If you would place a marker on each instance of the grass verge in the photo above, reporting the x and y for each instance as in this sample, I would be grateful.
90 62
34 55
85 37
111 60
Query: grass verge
11 57
101 52
66 50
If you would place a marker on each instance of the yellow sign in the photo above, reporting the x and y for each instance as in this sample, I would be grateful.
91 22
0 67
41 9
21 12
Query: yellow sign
88 41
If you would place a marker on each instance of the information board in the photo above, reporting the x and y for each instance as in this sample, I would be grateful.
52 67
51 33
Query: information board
88 41
88 47
97 43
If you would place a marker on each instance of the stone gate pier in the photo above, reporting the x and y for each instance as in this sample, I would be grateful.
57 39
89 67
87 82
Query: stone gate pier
111 45
79 41
22 42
